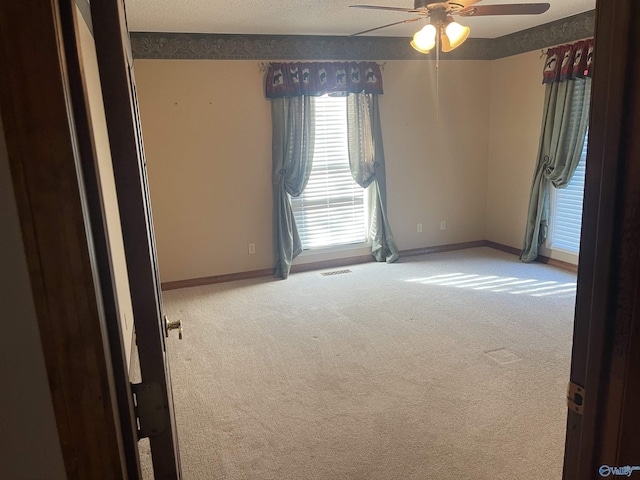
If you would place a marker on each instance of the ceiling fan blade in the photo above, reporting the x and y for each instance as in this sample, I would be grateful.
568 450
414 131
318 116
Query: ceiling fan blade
394 9
388 25
511 9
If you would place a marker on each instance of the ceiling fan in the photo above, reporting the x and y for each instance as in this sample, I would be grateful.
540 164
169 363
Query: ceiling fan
442 28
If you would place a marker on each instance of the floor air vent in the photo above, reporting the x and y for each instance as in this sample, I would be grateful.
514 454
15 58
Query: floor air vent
335 272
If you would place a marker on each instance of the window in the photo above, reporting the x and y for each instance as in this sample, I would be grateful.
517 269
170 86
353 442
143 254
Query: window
566 208
331 210
566 203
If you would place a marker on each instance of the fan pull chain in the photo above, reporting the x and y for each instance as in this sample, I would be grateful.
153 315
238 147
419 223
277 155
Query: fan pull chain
438 76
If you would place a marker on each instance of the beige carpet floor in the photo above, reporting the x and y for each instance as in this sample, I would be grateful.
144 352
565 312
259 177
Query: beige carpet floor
443 366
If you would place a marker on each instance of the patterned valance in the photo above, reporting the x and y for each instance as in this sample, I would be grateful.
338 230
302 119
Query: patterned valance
567 62
296 79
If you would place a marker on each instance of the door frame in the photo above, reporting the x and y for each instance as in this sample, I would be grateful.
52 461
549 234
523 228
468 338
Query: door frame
606 347
52 160
115 62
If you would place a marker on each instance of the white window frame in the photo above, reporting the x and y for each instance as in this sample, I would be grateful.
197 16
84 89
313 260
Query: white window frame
331 153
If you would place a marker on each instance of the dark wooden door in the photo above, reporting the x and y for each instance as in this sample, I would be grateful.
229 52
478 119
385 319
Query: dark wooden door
55 157
606 345
127 150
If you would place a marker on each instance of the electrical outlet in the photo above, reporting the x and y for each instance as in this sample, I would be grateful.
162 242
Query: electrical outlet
419 228
443 225
252 248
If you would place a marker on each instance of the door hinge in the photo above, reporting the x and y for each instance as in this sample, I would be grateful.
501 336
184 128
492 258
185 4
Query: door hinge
150 408
575 398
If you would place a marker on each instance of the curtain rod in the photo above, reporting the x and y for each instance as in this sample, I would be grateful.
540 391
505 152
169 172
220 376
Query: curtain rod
545 51
264 66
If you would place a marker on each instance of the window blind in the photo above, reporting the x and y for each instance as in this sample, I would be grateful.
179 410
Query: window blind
566 207
331 210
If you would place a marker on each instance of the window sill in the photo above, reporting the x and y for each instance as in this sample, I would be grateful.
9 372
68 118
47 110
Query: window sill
332 253
560 254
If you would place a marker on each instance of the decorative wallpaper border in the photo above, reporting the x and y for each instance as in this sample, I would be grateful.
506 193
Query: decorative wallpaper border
565 30
306 47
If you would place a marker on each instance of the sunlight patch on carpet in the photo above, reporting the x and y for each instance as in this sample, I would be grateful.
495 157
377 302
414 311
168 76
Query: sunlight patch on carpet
495 283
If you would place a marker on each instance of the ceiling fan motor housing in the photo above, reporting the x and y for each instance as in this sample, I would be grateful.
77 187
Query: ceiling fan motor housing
438 11
420 4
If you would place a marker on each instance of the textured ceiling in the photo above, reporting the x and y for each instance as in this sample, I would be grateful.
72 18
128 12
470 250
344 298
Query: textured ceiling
317 17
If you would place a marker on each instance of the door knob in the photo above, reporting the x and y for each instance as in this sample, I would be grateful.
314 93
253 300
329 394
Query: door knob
173 325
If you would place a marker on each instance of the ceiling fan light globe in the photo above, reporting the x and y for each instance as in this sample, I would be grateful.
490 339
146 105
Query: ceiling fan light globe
424 39
445 45
457 34
413 44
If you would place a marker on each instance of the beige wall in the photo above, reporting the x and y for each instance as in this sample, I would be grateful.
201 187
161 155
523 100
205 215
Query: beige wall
517 97
26 410
107 182
207 132
436 160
